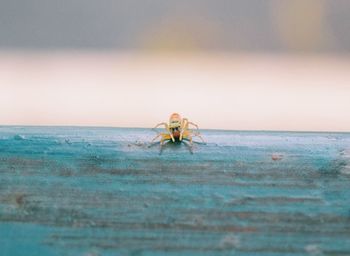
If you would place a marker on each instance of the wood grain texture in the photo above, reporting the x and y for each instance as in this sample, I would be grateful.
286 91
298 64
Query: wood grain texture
104 191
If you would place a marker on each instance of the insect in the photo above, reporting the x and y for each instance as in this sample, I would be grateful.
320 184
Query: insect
177 130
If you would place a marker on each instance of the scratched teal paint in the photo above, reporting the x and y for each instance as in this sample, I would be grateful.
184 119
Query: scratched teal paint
106 191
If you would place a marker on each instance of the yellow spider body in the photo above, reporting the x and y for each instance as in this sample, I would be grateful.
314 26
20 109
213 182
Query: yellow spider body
176 130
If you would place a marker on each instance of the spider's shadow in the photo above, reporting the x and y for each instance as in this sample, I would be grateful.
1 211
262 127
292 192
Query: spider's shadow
171 145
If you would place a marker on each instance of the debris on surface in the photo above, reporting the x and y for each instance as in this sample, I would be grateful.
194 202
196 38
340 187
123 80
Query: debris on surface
276 156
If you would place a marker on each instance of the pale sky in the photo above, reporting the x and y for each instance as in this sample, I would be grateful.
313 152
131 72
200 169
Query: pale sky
218 91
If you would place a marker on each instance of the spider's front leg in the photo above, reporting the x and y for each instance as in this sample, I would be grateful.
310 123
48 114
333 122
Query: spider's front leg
166 128
184 127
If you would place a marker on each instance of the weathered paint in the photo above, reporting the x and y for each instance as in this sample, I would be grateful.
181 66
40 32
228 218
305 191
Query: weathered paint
103 191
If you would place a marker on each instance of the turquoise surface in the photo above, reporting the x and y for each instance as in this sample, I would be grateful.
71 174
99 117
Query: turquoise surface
107 191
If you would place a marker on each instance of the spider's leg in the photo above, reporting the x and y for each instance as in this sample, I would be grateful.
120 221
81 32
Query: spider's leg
165 137
198 135
190 148
159 134
166 128
169 133
188 136
190 123
161 145
196 132
184 127
155 127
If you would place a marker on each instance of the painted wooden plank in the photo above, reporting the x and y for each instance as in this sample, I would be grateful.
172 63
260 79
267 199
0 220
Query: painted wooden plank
104 191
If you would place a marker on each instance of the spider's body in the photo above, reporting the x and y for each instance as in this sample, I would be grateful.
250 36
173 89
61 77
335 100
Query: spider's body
177 130
175 125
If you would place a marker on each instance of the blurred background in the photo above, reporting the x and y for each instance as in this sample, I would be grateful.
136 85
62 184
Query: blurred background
243 65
